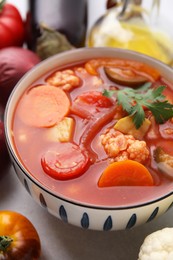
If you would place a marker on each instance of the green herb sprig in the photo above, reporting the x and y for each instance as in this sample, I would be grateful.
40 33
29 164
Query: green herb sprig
133 102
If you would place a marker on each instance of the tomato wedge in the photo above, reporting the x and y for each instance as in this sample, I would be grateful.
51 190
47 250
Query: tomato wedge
91 102
65 161
95 98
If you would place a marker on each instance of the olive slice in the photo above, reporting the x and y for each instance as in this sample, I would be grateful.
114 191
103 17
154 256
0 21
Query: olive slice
164 162
125 77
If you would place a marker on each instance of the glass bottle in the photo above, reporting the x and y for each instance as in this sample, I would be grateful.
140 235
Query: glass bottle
69 17
136 25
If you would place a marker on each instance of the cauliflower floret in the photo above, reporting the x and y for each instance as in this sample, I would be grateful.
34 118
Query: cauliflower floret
120 147
65 79
137 151
114 142
157 246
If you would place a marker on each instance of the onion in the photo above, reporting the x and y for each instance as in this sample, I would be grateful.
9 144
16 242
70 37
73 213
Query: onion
4 156
14 63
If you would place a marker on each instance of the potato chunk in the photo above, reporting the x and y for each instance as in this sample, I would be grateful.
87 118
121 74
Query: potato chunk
62 131
126 126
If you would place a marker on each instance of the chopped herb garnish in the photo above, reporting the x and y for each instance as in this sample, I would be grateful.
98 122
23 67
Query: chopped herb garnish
133 102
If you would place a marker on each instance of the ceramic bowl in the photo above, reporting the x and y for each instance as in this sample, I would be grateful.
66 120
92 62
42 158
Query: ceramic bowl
86 216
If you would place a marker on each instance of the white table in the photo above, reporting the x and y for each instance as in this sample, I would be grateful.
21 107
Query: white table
62 241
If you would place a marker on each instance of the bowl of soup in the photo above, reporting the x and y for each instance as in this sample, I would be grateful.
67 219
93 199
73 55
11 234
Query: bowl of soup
90 135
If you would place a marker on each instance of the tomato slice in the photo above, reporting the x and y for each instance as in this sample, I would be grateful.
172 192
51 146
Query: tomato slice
65 161
91 102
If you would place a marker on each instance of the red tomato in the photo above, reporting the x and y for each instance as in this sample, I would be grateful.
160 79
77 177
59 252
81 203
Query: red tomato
65 161
18 237
11 26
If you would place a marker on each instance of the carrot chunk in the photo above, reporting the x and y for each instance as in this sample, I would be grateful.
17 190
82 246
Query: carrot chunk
125 173
44 106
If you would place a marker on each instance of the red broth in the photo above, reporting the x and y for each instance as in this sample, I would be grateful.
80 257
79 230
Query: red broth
89 122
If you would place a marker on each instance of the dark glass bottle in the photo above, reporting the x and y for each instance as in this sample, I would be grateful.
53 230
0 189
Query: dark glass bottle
68 17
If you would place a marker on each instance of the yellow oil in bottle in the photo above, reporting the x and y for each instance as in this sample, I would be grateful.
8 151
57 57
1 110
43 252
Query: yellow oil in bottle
135 36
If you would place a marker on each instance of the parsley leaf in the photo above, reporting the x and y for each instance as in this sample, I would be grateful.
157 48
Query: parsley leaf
124 101
162 111
133 102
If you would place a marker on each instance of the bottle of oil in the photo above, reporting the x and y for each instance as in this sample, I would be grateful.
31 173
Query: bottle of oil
135 25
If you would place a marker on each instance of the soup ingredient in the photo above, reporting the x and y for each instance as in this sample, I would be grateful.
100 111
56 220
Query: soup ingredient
66 79
126 126
164 161
120 147
126 173
44 106
134 101
18 237
139 68
65 161
94 98
89 103
14 63
125 77
62 131
94 125
11 26
157 245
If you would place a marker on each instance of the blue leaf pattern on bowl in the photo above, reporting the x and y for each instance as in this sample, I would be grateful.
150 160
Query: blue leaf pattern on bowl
42 200
85 221
27 186
131 222
153 215
108 224
63 214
